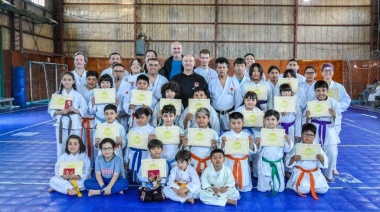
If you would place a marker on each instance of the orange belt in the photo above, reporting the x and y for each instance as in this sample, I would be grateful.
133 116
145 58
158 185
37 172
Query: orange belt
238 175
312 184
86 122
181 185
200 160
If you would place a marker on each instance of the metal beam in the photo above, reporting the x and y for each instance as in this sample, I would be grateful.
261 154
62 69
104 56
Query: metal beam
1 64
295 34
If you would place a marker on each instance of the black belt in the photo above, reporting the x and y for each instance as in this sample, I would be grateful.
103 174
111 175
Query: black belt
224 112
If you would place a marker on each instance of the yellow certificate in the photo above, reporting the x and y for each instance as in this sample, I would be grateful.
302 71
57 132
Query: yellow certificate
260 90
71 167
168 135
285 104
138 140
177 103
237 146
59 102
293 82
195 104
199 137
318 108
107 131
253 119
104 96
308 151
272 137
334 93
141 97
153 166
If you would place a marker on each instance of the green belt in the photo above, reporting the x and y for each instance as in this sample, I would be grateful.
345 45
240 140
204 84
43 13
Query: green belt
274 173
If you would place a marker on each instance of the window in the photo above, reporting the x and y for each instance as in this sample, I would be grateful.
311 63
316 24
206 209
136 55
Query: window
39 2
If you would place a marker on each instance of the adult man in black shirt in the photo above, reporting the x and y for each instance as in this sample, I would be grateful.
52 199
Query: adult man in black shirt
188 79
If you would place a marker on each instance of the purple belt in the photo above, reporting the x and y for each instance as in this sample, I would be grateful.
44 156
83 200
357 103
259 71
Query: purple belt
286 126
322 129
262 102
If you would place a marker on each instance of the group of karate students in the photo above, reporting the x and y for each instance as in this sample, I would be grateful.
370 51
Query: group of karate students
227 95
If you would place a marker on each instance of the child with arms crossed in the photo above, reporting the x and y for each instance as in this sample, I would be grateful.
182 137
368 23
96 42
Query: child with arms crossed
107 179
183 183
151 188
74 151
271 167
218 183
68 121
239 162
300 182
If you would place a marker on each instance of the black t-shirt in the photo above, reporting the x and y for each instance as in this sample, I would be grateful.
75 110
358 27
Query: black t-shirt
187 84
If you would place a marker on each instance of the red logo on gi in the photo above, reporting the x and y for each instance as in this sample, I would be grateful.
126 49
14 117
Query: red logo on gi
232 89
196 84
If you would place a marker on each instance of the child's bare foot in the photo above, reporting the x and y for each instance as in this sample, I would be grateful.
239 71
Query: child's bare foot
232 201
329 179
335 172
287 175
93 192
50 189
191 200
121 192
71 191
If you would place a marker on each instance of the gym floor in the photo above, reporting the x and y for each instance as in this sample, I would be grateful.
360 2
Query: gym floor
28 155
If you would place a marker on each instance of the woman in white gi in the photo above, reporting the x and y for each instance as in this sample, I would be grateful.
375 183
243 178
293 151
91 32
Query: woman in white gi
376 93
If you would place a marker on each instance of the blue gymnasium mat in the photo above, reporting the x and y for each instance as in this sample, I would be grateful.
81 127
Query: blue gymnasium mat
28 155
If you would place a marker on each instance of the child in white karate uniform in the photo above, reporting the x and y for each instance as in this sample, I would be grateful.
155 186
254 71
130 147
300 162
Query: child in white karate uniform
170 150
271 166
307 176
183 183
188 119
239 162
250 103
218 183
133 156
110 113
200 155
74 151
328 127
68 121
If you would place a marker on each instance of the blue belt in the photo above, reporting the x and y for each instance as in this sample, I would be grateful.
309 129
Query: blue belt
250 130
170 162
261 102
136 156
100 119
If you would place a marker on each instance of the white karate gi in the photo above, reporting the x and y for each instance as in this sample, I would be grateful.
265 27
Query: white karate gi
320 183
145 181
61 185
265 106
265 171
79 80
137 153
300 78
208 73
78 103
188 176
124 88
331 141
245 78
245 168
156 88
225 98
214 120
372 96
223 178
202 153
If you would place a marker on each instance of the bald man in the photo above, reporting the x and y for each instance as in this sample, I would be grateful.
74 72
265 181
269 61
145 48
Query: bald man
188 79
173 65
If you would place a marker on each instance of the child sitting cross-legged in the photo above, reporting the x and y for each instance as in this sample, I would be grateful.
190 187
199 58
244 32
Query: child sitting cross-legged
183 183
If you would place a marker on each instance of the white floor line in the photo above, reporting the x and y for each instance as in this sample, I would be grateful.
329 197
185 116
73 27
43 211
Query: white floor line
349 120
26 127
375 117
23 183
359 145
369 188
361 128
15 111
29 142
